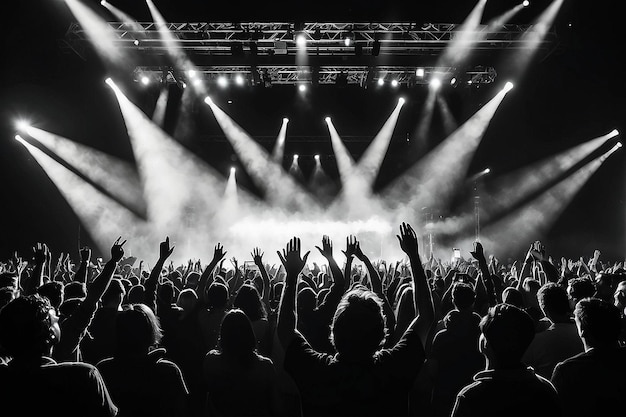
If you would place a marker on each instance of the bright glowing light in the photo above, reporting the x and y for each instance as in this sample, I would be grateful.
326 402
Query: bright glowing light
239 79
508 86
487 170
613 133
401 101
145 80
184 85
233 170
208 100
197 82
347 41
222 81
419 72
394 83
619 144
285 120
302 88
301 40
295 156
192 73
18 137
103 3
136 42
22 125
453 81
381 81
525 3
317 158
435 83
327 119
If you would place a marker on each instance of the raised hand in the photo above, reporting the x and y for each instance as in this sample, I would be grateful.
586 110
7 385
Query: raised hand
235 263
218 254
165 250
85 254
117 250
408 240
351 244
327 247
291 259
478 252
257 257
40 253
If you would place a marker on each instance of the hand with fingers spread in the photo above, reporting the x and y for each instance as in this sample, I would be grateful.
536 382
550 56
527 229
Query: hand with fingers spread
478 253
291 259
165 250
117 250
235 263
40 253
351 244
408 240
85 255
257 257
358 252
327 247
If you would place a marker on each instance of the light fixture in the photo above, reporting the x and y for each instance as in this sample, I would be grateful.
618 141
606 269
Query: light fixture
222 81
22 125
508 86
317 158
302 88
419 72
295 156
208 100
301 40
136 42
394 83
145 80
401 101
239 79
285 120
327 119
380 81
435 83
233 170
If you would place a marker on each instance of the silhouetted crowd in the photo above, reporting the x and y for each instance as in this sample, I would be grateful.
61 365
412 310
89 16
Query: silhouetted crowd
415 337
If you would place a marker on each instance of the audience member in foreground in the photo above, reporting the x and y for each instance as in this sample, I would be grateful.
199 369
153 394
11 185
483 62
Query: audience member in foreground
506 387
594 383
361 378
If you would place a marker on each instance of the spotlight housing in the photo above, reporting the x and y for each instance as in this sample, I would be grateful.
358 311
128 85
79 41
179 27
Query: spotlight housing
419 72
619 144
302 88
18 137
381 81
208 100
285 120
525 3
317 158
394 83
222 81
508 86
295 156
233 170
145 80
401 101
136 42
22 125
435 83
327 119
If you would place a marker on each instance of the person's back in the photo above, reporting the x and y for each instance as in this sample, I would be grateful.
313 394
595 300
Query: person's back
506 387
33 384
593 383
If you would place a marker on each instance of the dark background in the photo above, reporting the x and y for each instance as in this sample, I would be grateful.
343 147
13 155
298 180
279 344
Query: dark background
573 95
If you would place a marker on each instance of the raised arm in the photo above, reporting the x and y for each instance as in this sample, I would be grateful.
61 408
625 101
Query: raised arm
206 279
349 252
85 257
257 257
40 255
293 264
165 250
485 276
338 286
422 297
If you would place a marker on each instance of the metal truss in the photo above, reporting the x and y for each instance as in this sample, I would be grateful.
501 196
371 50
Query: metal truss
363 76
321 39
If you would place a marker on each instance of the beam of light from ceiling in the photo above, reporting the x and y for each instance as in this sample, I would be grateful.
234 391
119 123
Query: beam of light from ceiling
278 153
102 217
158 117
434 179
345 161
118 178
281 190
321 184
185 122
518 63
449 122
466 35
101 36
180 189
124 17
514 233
180 58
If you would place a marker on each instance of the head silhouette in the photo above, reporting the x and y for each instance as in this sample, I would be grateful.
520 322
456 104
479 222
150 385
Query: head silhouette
248 299
136 329
237 340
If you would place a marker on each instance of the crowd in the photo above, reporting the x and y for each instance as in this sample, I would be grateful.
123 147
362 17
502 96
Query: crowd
416 337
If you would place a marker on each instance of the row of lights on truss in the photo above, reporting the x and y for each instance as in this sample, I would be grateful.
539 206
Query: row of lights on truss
240 80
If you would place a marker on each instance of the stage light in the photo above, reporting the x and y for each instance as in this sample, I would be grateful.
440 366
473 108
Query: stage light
222 81
435 83
295 156
401 101
381 81
302 88
301 40
394 83
208 100
317 158
619 144
103 3
22 125
525 3
197 82
285 120
487 170
613 133
18 137
109 81
419 72
184 85
136 42
145 80
192 73
453 81
327 119
347 41
239 79
233 170
508 86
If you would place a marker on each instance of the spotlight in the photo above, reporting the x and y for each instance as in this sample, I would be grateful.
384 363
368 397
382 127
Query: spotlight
419 72
109 81
619 144
136 42
301 40
302 88
381 81
285 120
192 73
233 170
239 79
317 158
525 3
347 41
327 119
453 81
103 3
145 80
208 100
222 81
22 125
18 137
508 86
613 133
184 85
435 83
401 101
197 82
487 170
394 83
295 156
